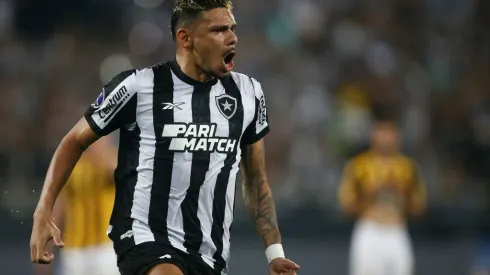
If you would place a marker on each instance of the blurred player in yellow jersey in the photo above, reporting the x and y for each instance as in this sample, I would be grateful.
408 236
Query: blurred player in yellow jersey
381 188
84 207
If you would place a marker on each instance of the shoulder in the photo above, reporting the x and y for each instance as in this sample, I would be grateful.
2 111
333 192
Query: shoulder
358 161
158 67
360 158
405 160
248 84
134 79
151 71
143 72
126 77
411 164
245 79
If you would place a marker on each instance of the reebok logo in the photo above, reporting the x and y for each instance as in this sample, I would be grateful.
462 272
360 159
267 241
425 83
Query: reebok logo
171 106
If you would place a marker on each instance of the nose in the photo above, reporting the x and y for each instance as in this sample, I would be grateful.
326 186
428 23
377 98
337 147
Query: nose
233 40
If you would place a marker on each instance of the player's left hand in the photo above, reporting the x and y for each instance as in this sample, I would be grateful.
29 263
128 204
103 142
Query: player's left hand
282 266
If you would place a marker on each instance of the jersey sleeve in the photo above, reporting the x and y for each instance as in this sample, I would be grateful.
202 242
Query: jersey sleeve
259 127
115 106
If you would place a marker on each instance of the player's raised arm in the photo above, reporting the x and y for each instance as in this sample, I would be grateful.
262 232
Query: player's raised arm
112 109
256 192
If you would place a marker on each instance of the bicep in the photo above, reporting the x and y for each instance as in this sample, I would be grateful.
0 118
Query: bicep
82 134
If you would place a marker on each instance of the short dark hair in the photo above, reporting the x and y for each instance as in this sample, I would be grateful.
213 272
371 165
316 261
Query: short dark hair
188 10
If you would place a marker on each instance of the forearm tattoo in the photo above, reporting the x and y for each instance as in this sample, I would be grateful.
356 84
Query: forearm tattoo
258 196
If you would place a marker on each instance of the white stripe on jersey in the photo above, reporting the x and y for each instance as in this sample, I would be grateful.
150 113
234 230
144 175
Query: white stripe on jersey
181 176
142 190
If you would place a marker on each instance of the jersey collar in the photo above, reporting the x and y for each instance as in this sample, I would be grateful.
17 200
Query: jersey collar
182 76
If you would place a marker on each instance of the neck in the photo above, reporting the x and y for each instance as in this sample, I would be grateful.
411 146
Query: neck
189 67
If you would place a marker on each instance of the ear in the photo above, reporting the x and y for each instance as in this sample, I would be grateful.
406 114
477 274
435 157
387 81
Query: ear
183 37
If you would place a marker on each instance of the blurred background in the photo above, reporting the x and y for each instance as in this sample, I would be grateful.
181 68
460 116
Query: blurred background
328 68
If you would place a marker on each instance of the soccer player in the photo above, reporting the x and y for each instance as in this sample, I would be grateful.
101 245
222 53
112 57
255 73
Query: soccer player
83 209
380 188
185 127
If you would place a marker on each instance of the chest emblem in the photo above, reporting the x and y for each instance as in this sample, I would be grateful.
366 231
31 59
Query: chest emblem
227 105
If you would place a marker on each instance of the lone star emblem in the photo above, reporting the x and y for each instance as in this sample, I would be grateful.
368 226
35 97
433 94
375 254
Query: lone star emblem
227 105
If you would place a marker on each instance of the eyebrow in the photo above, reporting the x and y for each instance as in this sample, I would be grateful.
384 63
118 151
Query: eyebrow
223 27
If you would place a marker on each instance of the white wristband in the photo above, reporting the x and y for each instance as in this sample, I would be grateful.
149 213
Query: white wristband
274 251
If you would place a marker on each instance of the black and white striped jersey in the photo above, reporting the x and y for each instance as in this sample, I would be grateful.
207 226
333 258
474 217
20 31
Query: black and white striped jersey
179 154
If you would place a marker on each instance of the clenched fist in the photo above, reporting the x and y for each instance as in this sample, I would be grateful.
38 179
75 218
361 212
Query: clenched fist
282 266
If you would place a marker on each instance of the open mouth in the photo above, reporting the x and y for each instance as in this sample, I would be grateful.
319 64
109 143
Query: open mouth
229 57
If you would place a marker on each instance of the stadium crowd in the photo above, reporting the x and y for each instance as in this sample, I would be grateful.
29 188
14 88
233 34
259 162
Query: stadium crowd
328 69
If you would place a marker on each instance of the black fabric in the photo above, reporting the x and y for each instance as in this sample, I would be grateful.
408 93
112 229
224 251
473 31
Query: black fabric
201 113
141 258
